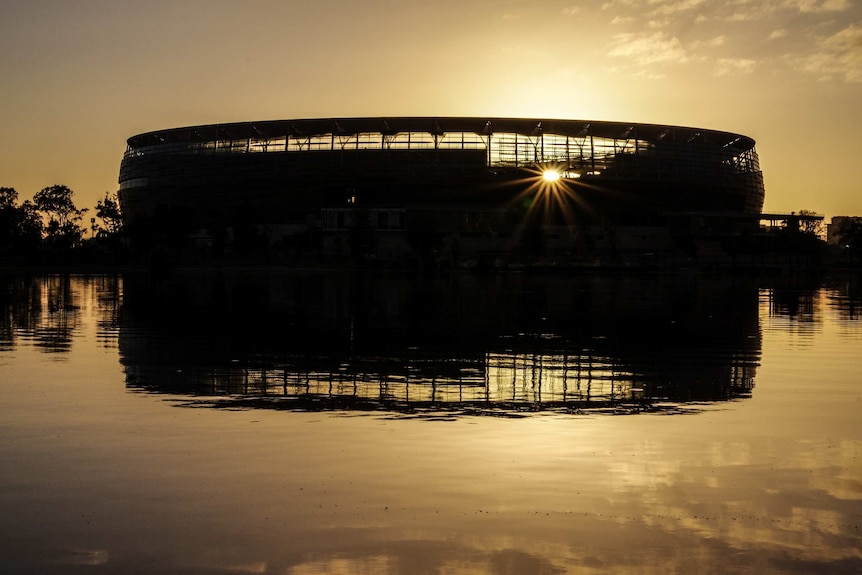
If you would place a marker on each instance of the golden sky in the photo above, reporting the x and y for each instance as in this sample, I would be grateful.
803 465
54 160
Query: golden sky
81 76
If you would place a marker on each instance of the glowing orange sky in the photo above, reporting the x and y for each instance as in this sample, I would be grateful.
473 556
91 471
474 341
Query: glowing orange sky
79 78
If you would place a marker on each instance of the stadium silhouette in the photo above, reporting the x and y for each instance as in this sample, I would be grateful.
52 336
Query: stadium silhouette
454 188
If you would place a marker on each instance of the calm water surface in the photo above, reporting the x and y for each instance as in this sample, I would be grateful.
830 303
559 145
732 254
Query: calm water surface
326 423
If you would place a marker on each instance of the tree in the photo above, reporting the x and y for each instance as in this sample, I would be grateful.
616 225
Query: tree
108 210
811 226
29 224
63 228
20 226
8 197
8 217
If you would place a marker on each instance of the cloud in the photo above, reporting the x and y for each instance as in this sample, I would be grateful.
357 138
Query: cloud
612 3
621 20
776 34
728 66
658 23
744 11
711 43
571 10
657 48
838 56
818 5
650 75
741 16
666 8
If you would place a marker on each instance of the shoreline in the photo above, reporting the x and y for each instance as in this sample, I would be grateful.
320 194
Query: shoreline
623 268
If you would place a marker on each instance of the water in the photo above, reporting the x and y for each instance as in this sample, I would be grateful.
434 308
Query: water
328 423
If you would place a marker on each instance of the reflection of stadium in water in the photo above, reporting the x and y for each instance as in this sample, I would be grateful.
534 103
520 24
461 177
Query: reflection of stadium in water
406 343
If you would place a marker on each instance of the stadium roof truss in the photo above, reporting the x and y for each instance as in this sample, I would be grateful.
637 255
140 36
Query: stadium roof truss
510 142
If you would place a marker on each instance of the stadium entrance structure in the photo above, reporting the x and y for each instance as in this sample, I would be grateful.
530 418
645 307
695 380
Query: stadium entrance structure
461 188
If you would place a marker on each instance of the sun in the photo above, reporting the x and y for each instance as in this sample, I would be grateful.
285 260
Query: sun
551 175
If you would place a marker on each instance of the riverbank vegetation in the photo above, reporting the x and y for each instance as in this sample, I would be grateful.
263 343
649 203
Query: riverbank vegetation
51 230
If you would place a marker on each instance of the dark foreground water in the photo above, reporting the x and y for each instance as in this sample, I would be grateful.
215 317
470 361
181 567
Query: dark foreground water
324 423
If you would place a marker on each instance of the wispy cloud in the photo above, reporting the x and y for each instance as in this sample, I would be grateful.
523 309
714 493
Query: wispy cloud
818 5
614 3
657 48
711 43
666 8
651 75
729 66
728 10
736 37
745 11
571 10
838 56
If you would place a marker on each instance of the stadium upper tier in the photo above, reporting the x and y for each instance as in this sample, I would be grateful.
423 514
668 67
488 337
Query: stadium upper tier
280 165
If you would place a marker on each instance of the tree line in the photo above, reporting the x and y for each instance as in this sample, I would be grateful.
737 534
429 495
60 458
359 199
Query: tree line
51 228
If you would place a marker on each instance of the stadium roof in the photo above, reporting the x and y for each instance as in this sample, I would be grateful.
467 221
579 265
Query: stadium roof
301 128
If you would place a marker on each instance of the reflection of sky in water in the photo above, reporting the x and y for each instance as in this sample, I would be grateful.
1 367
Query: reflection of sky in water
97 477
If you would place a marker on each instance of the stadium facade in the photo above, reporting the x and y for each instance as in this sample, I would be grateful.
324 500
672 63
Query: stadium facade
456 187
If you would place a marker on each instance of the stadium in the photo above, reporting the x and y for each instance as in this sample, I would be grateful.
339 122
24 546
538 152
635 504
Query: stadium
453 188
